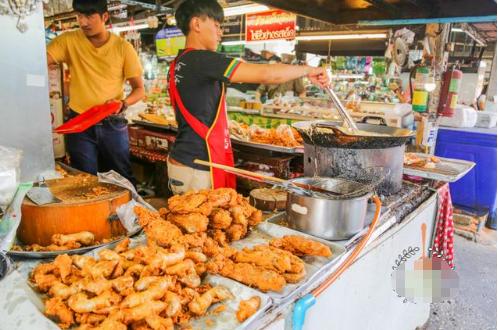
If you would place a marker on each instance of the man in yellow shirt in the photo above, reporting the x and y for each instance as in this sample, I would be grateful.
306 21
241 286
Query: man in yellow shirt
99 63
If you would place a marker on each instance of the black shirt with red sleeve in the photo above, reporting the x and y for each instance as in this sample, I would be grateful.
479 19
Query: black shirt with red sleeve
199 76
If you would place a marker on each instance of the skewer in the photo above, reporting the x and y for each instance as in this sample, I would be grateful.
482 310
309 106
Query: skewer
268 179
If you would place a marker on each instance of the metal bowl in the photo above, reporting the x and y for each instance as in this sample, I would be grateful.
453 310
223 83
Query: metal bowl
331 219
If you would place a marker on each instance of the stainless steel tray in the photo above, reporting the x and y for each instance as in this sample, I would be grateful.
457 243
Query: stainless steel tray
227 319
154 125
266 231
447 170
270 147
53 254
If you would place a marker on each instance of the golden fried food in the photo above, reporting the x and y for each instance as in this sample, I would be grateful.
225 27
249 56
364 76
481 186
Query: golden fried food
254 276
186 203
191 223
159 323
247 308
222 197
56 309
236 232
80 303
199 305
301 246
146 309
220 219
63 263
265 258
174 304
164 233
294 277
85 238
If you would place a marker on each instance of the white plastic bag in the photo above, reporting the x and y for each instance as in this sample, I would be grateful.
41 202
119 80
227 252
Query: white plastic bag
10 163
12 218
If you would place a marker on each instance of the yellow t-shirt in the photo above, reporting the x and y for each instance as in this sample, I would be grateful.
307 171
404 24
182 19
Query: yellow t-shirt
97 74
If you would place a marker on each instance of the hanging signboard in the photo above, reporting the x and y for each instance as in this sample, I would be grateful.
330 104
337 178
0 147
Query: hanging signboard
233 25
169 41
270 25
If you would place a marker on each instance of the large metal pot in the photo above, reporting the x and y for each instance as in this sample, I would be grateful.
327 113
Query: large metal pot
331 151
328 218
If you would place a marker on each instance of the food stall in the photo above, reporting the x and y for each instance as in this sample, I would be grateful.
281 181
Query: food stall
338 253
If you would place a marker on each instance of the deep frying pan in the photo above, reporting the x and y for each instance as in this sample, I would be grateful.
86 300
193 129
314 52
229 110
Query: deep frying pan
332 135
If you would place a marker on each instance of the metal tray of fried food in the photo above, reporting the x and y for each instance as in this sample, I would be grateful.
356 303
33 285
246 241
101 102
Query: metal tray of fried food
447 169
314 266
224 320
270 147
53 254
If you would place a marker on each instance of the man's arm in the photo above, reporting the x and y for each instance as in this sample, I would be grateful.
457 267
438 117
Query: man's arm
137 90
278 73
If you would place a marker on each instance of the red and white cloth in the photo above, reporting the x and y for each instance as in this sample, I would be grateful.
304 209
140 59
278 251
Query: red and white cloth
443 240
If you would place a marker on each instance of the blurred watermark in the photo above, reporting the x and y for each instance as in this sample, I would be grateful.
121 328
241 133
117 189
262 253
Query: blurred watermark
423 279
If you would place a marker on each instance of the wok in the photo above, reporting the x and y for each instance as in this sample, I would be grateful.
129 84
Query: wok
332 135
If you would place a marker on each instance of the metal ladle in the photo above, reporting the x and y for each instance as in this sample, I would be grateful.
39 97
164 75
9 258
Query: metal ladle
342 111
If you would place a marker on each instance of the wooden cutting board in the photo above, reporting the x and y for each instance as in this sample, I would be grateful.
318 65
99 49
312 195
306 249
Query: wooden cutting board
87 205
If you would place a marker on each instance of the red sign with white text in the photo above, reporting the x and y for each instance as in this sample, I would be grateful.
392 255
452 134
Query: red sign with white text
270 25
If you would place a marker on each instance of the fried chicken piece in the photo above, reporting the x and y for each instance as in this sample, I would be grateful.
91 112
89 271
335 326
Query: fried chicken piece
212 248
83 262
163 259
186 203
96 286
163 212
254 276
63 264
247 308
107 254
195 240
62 290
102 269
56 309
191 223
297 265
85 238
155 291
134 270
220 219
144 282
174 304
164 233
42 276
145 216
80 303
200 268
158 323
301 246
146 309
238 215
219 236
90 318
236 232
255 218
123 285
191 278
196 256
264 257
294 277
200 305
222 197
180 268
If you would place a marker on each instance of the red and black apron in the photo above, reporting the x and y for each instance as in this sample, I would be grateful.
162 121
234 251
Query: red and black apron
217 136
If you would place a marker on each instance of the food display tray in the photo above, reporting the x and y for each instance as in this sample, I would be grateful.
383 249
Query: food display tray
266 231
270 147
447 170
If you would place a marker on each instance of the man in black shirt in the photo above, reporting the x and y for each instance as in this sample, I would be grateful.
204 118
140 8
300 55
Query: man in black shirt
197 78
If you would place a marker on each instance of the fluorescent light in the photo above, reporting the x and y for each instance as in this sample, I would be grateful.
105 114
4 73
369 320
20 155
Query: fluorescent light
479 42
342 36
457 30
245 9
233 43
126 28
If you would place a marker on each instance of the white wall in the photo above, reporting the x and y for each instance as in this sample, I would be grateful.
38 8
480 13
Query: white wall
24 107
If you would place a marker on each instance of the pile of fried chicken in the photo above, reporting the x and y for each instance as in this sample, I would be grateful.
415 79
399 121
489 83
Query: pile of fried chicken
159 285
145 287
222 213
283 135
61 242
